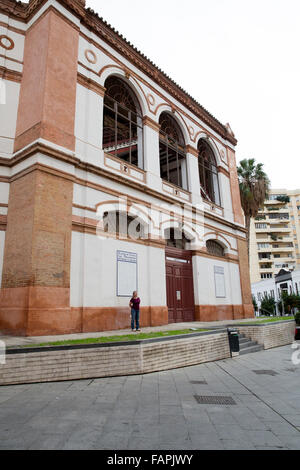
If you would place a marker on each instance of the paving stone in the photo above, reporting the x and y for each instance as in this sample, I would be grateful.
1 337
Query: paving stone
264 438
159 411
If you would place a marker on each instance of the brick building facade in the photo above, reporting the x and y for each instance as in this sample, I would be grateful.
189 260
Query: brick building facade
90 128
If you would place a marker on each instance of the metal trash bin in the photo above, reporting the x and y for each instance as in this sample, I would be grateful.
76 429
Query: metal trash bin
297 333
234 342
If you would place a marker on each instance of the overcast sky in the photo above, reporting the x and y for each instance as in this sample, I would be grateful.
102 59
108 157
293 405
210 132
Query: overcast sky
239 58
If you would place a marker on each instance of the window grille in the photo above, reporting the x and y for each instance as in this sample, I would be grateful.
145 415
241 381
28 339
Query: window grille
208 173
172 153
122 123
214 248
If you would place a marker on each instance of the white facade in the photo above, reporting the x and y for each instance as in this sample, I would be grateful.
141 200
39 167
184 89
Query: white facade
102 182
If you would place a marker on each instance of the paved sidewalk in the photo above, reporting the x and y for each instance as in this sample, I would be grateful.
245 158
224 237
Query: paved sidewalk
159 410
21 340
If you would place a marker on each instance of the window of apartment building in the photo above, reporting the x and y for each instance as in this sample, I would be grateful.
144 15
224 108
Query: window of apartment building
260 225
273 197
266 276
276 255
263 245
279 216
122 122
266 266
208 173
264 255
172 153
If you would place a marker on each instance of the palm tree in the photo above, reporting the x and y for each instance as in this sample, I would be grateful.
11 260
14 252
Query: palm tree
254 187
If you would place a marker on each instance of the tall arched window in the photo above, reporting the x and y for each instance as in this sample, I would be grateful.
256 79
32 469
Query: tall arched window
208 173
172 151
122 122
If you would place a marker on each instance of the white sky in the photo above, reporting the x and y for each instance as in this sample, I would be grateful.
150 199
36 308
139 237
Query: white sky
239 58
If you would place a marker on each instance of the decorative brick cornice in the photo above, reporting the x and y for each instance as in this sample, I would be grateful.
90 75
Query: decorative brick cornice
149 122
223 171
93 22
191 150
88 167
90 84
11 75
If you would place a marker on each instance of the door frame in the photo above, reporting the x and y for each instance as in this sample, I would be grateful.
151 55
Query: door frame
172 252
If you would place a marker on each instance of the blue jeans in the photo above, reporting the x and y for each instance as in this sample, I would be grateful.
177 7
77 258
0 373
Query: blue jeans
135 318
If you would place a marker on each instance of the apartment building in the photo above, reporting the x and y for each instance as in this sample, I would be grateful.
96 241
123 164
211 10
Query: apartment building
275 235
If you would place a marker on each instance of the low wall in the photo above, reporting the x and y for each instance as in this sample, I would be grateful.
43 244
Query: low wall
50 364
270 335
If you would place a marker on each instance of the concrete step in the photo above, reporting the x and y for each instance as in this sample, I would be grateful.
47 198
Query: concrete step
243 340
251 349
247 344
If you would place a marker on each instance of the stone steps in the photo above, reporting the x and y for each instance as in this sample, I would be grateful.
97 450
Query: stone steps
248 346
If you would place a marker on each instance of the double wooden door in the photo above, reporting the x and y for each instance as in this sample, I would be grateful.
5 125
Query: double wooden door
180 289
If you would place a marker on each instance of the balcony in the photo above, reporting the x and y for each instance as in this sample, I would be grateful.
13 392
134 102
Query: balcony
266 270
282 249
274 203
278 221
284 259
266 260
276 229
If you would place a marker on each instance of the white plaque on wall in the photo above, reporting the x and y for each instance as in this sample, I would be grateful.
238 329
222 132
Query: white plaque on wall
220 282
126 273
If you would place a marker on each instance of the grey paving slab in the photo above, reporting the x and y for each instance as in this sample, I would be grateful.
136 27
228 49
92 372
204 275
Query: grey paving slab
159 411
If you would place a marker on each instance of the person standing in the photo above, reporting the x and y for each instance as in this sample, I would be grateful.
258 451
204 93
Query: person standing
134 304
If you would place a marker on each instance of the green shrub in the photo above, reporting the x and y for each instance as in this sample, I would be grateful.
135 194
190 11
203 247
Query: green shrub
268 305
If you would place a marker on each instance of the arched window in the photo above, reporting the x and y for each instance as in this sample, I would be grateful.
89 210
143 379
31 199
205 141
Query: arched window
172 151
214 248
120 223
176 238
208 173
122 122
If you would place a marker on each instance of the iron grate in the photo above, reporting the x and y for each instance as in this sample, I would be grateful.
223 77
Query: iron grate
265 372
291 369
214 400
198 382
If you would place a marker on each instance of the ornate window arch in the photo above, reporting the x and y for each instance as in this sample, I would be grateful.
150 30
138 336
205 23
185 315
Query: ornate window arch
122 122
208 173
172 153
215 248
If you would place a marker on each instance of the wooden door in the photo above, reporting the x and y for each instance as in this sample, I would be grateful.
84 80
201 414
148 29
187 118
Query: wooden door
180 289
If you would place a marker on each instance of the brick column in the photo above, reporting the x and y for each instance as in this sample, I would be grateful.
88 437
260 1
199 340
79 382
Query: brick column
35 290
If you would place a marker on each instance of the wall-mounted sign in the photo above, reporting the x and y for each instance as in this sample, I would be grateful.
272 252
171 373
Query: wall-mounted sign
219 282
126 273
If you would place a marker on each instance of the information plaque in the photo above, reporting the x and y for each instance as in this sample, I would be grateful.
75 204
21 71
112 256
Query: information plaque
220 282
126 273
